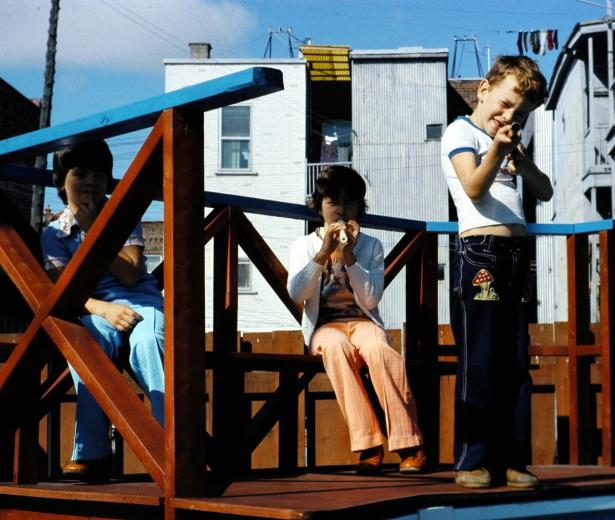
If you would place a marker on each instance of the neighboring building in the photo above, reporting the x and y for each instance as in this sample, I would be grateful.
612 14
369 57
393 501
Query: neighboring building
399 112
581 134
256 148
18 115
153 233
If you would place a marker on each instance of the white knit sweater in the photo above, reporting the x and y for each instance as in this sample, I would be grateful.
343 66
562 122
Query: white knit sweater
366 278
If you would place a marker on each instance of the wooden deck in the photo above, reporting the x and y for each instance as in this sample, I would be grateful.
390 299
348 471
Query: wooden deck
319 494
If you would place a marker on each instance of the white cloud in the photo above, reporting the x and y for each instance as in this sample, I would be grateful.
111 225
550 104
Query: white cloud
93 33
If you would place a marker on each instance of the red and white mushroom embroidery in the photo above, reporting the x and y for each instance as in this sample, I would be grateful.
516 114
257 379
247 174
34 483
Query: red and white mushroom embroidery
484 279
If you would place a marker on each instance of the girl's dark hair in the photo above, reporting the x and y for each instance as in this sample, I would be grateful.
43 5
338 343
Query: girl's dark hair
335 179
95 155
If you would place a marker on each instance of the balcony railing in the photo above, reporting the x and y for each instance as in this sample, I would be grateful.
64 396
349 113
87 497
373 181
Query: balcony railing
313 169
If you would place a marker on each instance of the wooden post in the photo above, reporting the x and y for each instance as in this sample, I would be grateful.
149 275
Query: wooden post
184 297
579 409
289 419
25 469
228 387
422 337
607 341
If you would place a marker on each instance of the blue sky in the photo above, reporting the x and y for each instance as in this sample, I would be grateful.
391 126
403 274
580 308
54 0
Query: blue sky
110 52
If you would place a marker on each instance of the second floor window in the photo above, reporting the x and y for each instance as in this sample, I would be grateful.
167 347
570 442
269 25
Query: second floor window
235 136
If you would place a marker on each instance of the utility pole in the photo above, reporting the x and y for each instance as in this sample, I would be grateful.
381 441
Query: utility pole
457 62
38 192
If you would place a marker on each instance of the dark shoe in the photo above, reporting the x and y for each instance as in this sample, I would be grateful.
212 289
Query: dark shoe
413 460
478 478
521 479
370 461
88 470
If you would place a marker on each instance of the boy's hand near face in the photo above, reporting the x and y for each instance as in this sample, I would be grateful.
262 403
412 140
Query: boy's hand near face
329 242
352 231
85 212
520 163
507 138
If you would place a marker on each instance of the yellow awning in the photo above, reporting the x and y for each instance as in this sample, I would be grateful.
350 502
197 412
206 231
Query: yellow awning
327 62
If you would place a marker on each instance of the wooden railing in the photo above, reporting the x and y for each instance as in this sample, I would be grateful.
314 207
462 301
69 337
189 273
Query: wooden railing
176 458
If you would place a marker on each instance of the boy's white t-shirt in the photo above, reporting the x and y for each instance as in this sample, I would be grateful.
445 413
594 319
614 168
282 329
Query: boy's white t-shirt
502 203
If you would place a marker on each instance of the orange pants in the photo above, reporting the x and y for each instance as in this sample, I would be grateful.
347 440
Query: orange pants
345 348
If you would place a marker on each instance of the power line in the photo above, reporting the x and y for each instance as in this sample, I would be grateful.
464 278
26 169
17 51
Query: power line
153 28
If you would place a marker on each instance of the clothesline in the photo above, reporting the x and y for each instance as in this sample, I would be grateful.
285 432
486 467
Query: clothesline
536 40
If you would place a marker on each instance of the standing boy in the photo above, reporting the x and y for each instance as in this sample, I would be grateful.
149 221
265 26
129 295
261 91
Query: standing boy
482 158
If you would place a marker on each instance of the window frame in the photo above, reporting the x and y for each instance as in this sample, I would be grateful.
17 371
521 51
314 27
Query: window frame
222 138
434 125
249 288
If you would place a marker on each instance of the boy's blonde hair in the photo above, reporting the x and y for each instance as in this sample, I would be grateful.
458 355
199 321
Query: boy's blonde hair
531 83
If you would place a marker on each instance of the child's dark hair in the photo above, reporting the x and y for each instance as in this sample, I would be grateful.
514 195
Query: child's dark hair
95 155
335 179
530 81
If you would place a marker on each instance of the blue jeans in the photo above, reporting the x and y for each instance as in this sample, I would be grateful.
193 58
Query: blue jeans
489 322
146 358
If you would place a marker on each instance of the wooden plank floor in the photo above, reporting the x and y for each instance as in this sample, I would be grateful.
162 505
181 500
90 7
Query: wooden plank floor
318 494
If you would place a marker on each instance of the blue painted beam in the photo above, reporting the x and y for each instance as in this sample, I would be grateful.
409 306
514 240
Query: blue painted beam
209 95
550 229
27 175
302 212
593 227
442 227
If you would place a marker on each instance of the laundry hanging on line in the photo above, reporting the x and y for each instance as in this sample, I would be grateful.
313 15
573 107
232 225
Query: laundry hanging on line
538 41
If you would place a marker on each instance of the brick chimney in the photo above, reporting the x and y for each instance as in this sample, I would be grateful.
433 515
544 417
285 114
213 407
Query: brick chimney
200 51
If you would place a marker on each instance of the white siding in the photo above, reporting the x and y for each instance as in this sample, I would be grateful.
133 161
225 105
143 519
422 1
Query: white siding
574 155
549 308
278 134
393 101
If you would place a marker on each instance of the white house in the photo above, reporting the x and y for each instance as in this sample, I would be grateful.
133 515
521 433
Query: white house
257 149
581 125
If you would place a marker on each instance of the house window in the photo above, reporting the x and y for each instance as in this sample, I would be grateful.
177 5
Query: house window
152 261
433 132
244 275
235 138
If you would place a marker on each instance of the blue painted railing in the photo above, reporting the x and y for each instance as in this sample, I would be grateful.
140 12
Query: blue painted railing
215 93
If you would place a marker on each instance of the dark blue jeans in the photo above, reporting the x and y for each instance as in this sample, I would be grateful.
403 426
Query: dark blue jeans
489 322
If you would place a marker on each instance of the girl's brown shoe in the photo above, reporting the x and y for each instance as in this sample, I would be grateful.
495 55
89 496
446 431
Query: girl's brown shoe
370 461
413 460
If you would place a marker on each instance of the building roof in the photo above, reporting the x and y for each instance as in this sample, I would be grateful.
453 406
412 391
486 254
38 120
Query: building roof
327 62
566 57
234 61
401 52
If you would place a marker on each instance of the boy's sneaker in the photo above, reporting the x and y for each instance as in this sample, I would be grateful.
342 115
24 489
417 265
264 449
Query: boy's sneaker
91 471
413 460
521 479
478 478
